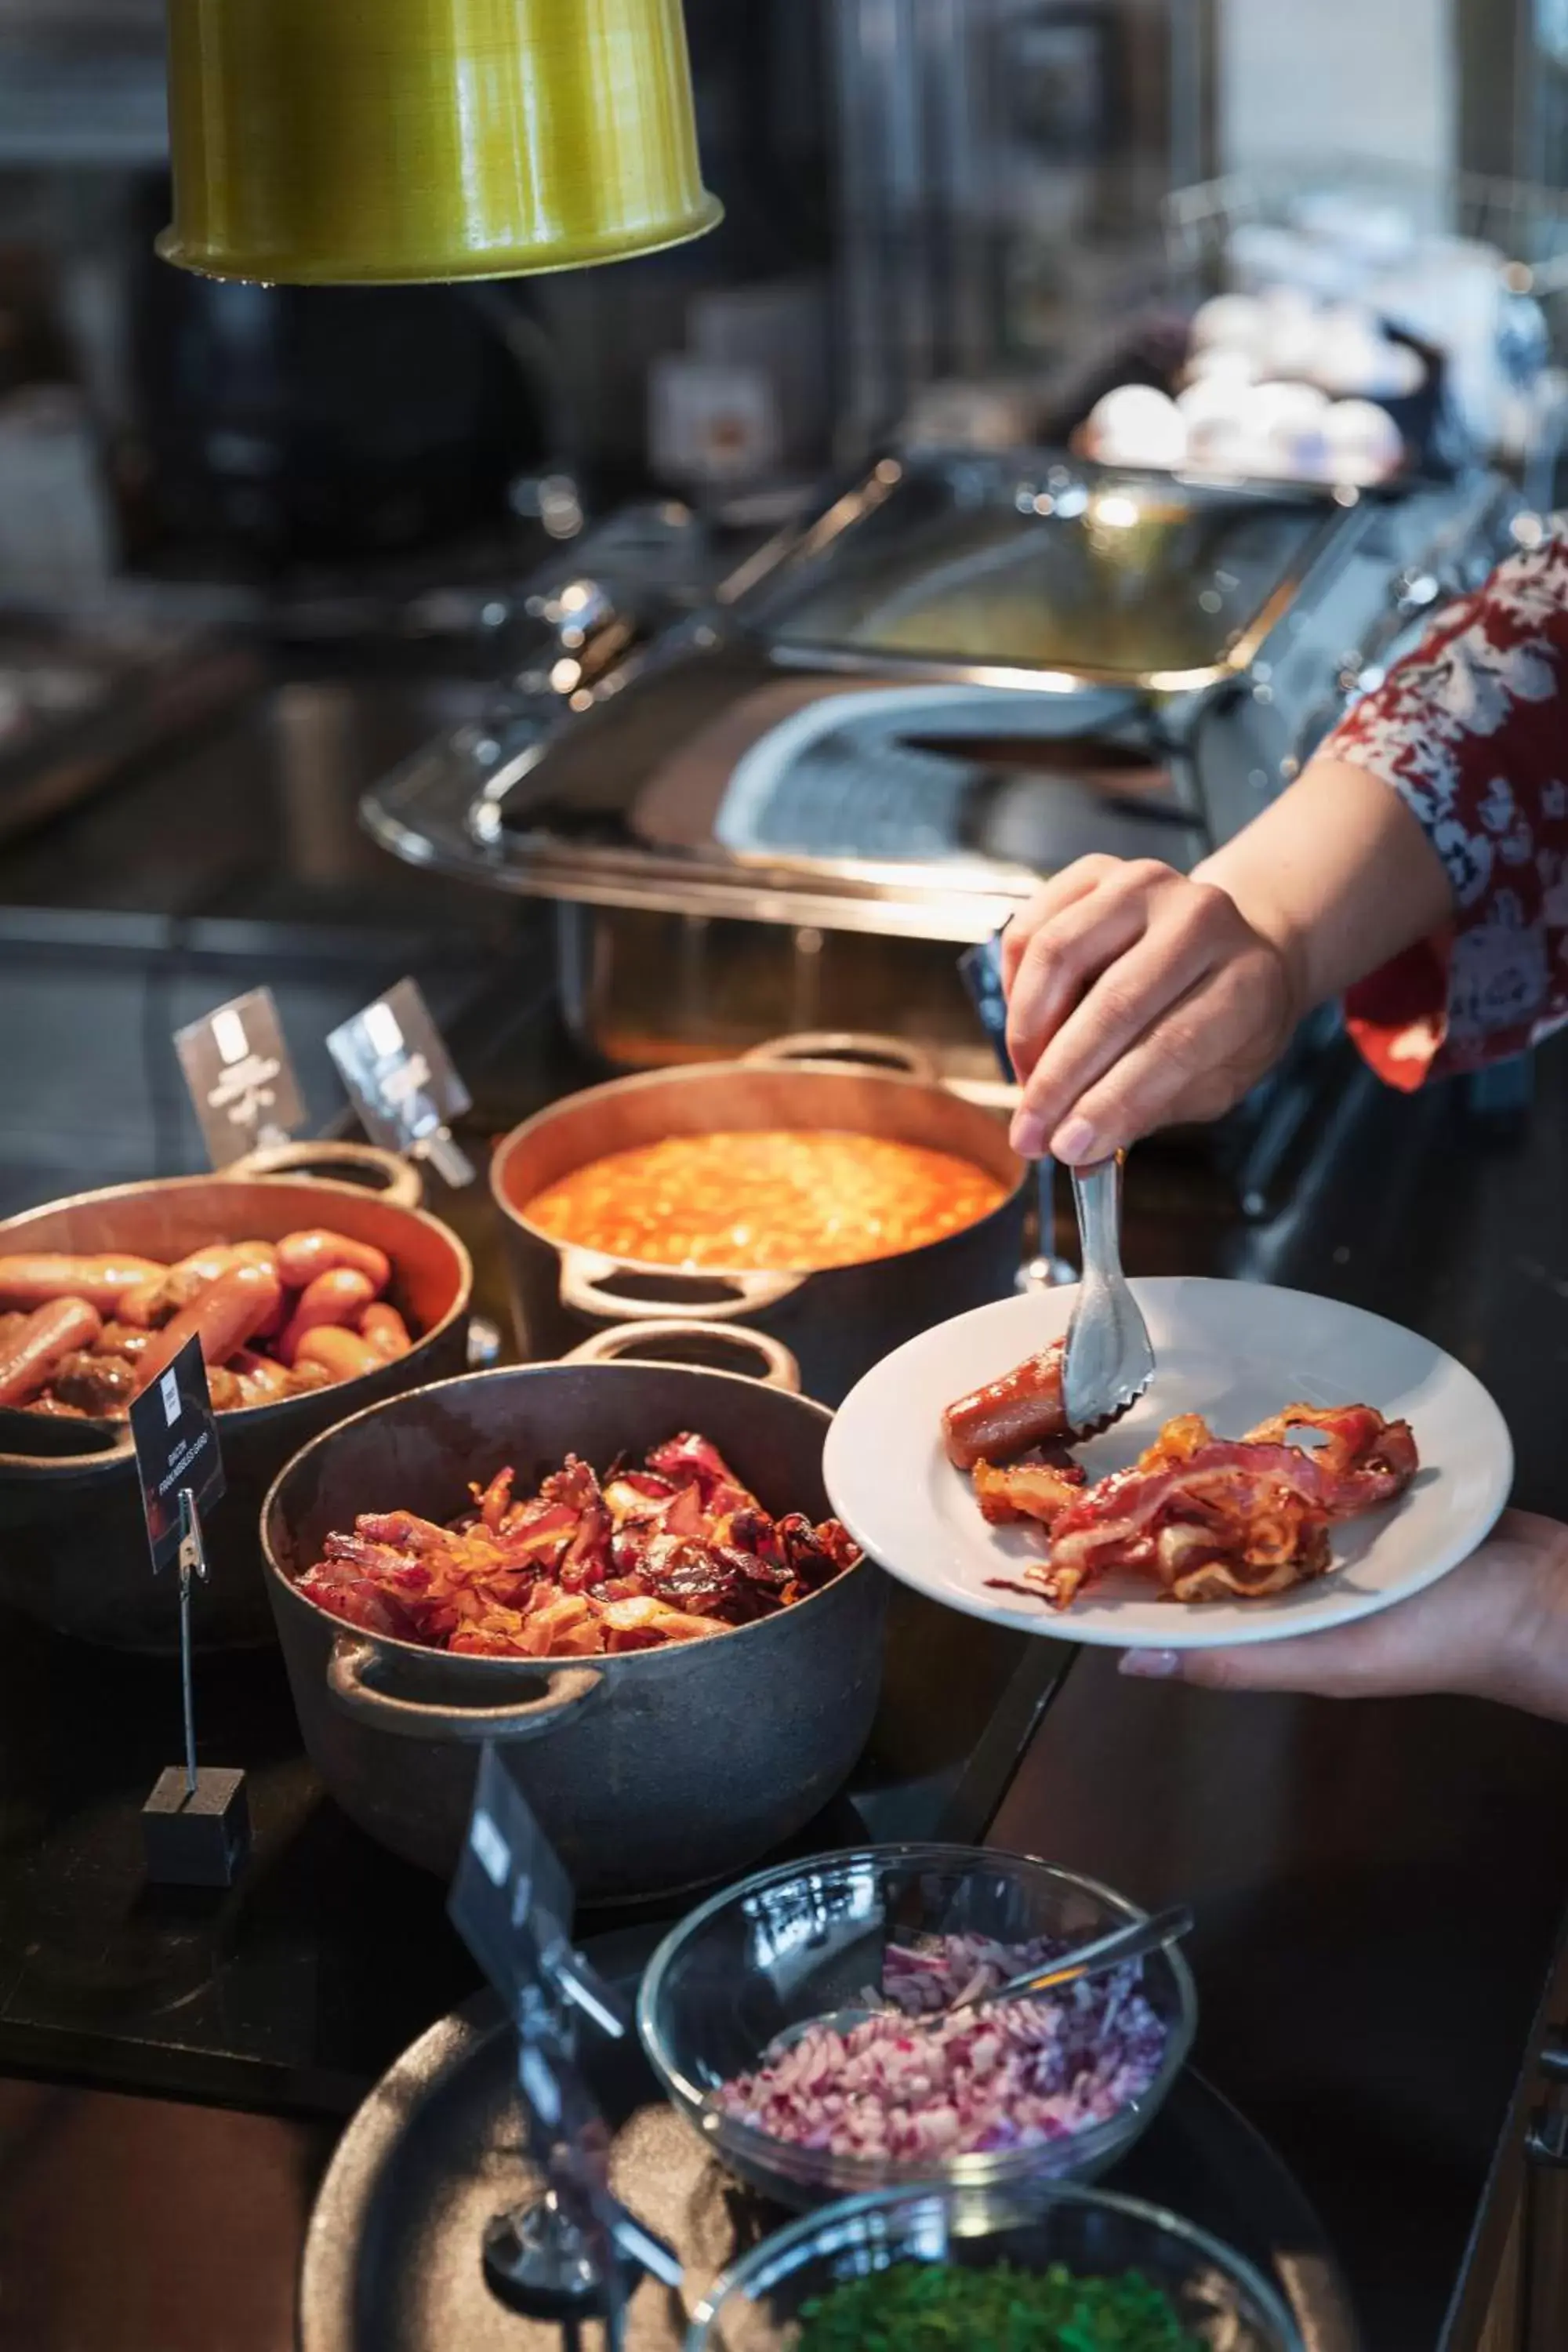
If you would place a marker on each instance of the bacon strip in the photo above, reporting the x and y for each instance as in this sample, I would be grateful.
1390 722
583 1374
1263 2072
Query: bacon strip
671 1552
1206 1518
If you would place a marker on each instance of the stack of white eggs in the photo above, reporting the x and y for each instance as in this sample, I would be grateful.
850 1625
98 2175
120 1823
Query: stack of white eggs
1276 387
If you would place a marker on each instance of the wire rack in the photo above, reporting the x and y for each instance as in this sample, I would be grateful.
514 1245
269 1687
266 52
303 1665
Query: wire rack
1526 222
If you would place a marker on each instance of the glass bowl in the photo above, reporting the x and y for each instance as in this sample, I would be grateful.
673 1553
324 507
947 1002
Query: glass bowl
796 1942
1221 2300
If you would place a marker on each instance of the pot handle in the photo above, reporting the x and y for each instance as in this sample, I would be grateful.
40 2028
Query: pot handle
29 1441
567 1692
863 1048
780 1369
398 1181
585 1272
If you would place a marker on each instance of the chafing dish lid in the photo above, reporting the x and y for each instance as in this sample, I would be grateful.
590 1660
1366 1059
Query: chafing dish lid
720 763
1064 567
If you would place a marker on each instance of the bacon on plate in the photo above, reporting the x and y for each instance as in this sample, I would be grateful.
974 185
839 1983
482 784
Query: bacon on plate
1206 1518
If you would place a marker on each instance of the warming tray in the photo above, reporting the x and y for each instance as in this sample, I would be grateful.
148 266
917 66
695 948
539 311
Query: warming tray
966 672
392 2260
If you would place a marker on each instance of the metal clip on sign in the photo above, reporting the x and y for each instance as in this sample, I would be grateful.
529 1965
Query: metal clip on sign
394 1061
195 1825
572 2253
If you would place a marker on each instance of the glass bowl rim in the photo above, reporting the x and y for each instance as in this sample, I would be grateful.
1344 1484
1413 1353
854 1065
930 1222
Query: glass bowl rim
756 2266
855 2176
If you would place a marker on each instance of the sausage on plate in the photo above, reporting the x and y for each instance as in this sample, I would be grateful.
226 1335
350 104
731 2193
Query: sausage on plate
1005 1418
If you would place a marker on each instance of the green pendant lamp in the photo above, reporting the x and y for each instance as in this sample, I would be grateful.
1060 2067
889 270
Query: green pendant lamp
337 143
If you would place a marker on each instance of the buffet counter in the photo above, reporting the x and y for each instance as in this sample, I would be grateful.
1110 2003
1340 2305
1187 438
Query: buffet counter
1379 1889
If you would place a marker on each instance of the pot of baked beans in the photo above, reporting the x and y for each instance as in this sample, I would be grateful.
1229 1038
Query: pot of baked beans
826 1190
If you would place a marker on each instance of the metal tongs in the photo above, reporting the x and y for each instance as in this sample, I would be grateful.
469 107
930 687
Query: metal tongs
1116 1949
1108 1360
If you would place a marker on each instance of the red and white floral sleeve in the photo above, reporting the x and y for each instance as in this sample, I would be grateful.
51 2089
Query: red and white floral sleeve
1472 731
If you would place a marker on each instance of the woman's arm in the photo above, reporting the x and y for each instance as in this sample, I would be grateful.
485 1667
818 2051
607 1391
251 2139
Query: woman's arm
1137 997
1420 861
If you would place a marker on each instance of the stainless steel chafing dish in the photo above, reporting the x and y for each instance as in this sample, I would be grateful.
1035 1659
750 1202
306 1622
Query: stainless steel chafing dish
785 808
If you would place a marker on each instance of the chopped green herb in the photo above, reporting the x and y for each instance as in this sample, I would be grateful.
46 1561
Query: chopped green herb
940 2307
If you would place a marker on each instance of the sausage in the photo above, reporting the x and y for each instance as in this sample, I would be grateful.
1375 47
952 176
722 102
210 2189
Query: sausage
302 1256
227 1313
1003 1419
150 1301
97 1384
118 1339
343 1354
340 1296
262 1380
33 1355
34 1279
386 1331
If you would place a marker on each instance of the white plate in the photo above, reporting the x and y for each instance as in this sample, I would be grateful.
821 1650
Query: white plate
1235 1351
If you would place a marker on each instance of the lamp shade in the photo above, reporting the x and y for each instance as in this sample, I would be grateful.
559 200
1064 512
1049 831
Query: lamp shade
383 141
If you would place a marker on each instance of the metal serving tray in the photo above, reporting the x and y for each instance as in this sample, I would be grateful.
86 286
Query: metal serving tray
823 745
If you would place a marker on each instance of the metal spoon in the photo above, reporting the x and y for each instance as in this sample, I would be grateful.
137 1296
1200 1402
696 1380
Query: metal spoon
1109 1361
1112 1951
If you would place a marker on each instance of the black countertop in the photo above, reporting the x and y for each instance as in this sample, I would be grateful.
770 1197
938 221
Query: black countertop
1380 1887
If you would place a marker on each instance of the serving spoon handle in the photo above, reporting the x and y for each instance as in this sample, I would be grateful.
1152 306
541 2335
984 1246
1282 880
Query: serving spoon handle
1139 1937
1123 1943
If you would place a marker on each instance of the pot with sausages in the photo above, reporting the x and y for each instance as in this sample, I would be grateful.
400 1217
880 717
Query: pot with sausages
841 1202
309 1300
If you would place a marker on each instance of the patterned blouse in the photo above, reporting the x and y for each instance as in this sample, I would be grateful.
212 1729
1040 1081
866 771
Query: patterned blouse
1472 731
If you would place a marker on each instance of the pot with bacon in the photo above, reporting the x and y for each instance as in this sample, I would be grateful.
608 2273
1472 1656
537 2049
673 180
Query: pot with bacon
827 1189
308 1297
627 1570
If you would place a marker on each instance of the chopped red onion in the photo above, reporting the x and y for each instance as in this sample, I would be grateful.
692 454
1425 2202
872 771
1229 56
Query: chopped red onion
910 2085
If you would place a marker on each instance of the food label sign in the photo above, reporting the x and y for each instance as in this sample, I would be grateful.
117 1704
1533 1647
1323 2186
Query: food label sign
394 1061
241 1079
511 1901
176 1440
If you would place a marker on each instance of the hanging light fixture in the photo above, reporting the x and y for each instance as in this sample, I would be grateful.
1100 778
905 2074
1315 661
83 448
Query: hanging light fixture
319 142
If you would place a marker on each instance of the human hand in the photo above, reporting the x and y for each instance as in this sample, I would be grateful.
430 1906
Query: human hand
1136 995
1496 1628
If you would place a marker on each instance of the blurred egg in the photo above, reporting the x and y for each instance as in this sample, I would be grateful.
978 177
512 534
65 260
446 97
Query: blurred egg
1217 412
1231 321
1137 425
1363 443
1222 362
1291 335
1288 408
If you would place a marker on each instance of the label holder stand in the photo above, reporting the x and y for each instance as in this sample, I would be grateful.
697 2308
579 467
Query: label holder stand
570 2253
401 1079
195 1825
